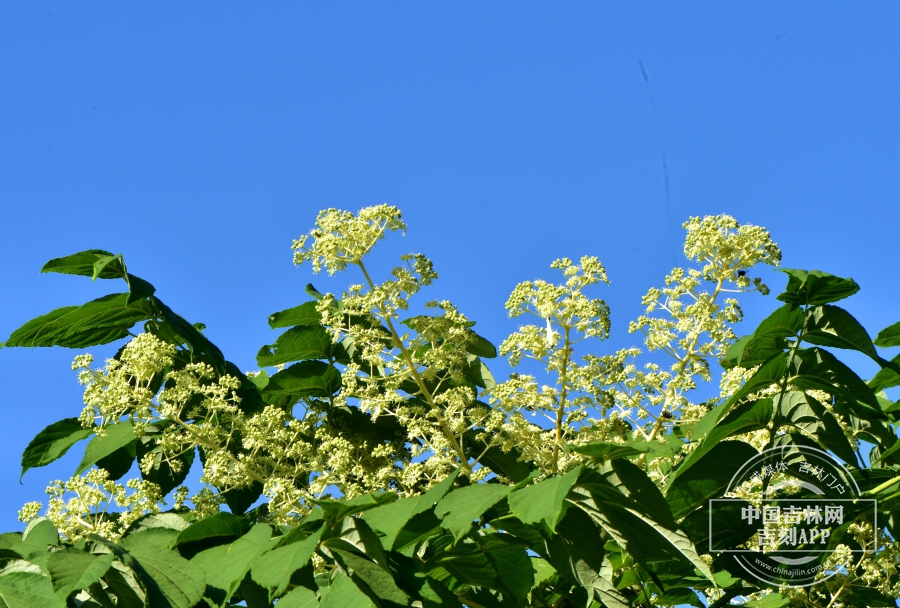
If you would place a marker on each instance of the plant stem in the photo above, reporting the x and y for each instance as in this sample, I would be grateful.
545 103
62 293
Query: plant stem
682 365
561 410
395 338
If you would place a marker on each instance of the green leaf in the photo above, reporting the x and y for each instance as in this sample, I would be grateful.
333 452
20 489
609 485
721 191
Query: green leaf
510 463
834 326
542 502
99 321
343 593
305 314
460 508
639 521
623 478
602 450
480 346
819 369
172 521
336 510
478 374
72 570
94 263
27 590
174 329
305 379
678 596
122 581
860 595
117 436
300 344
216 527
241 499
749 416
161 472
773 600
886 377
513 565
52 443
815 287
784 322
389 519
806 413
709 477
170 580
723 519
377 578
576 554
226 565
301 597
273 570
889 336
119 462
40 534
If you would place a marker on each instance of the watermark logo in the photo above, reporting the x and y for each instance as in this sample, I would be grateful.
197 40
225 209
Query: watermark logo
794 502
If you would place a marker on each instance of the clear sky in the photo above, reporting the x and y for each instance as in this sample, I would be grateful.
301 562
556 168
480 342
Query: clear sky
200 138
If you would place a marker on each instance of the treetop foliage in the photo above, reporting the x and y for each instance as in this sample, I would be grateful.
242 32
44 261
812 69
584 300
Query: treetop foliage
374 460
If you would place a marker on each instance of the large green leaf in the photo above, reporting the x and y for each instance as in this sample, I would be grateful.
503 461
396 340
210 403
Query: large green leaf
510 464
815 287
723 519
889 336
99 321
460 508
376 577
626 503
749 416
40 534
117 436
480 346
72 570
336 510
301 597
804 412
819 369
273 570
642 537
300 344
390 519
305 314
709 476
577 554
27 590
343 593
226 565
478 373
123 582
175 329
512 563
161 472
623 483
542 503
305 379
53 442
604 451
887 377
215 528
170 580
94 263
241 499
834 326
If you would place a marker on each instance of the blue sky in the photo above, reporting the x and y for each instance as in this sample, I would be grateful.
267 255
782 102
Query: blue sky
200 138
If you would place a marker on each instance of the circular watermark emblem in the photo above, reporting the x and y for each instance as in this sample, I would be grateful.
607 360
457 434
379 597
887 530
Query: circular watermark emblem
794 503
